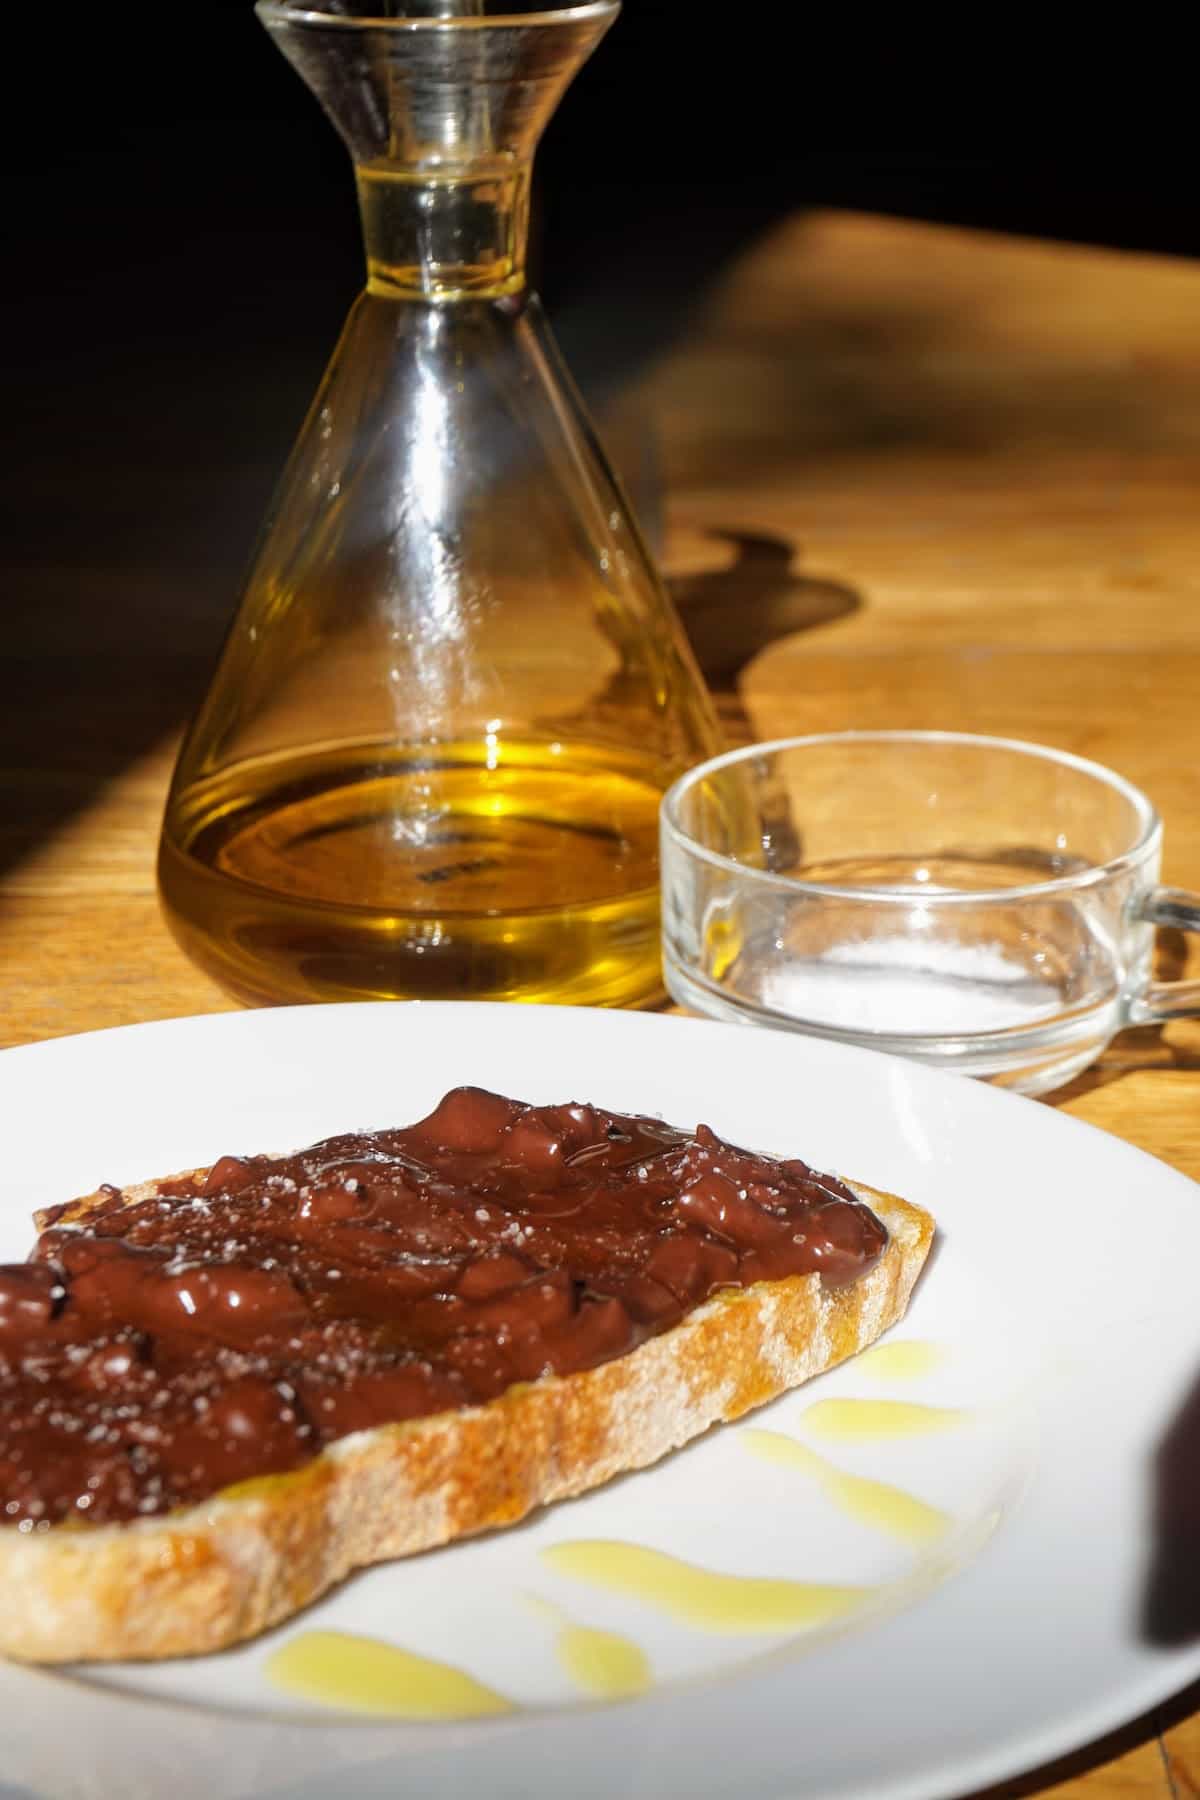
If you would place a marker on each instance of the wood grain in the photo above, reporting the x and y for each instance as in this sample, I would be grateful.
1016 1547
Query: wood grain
1180 1725
915 477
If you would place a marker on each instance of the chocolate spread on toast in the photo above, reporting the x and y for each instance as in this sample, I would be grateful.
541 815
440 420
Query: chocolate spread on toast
155 1351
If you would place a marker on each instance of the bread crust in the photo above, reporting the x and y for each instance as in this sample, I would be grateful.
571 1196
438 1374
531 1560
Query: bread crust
216 1573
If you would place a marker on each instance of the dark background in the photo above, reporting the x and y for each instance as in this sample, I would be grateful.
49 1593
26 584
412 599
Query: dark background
181 245
182 223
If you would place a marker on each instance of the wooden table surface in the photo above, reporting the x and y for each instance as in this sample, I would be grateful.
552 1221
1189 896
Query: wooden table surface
914 477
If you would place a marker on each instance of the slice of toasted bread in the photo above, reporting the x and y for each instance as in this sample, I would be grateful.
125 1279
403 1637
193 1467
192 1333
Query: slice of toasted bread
253 1555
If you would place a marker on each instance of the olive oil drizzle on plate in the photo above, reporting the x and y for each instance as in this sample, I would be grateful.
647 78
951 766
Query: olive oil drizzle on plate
890 1509
367 1675
603 1663
730 1605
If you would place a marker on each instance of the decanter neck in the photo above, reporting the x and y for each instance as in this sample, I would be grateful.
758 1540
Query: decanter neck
450 233
441 104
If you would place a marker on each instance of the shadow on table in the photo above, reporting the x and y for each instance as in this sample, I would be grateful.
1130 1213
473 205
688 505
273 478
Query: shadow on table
733 613
69 729
1182 1707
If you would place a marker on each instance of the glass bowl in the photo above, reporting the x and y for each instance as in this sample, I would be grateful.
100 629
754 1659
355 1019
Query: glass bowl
980 904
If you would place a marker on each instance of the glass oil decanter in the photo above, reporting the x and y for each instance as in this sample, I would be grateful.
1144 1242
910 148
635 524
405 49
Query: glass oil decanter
430 760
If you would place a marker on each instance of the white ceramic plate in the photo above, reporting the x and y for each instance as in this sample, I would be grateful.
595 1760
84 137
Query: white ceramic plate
993 1615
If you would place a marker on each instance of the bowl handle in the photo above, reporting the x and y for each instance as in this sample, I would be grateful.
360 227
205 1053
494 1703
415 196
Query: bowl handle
1161 1000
